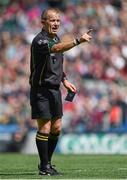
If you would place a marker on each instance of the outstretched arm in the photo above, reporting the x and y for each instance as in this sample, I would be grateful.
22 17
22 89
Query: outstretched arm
65 46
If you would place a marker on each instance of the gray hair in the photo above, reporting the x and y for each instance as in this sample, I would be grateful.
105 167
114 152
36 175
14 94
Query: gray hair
45 12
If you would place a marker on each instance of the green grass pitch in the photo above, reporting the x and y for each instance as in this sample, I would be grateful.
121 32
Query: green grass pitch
19 166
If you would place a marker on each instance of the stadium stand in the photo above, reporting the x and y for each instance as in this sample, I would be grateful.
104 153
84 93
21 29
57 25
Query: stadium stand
98 69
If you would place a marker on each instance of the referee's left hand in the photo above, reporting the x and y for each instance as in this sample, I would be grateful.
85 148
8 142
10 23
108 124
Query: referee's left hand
69 86
86 37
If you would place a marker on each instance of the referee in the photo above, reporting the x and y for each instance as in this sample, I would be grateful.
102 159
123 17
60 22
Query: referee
46 76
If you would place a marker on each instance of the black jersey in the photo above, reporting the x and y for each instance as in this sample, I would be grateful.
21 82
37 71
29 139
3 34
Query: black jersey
46 67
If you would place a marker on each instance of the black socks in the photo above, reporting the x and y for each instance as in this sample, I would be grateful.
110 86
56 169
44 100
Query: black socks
52 142
42 146
46 145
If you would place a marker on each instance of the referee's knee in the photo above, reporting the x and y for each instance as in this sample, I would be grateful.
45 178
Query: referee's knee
56 126
56 129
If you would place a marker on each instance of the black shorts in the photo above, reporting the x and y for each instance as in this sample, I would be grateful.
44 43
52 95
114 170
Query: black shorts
45 103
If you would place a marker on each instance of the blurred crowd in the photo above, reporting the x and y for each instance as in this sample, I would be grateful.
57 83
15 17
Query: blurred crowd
98 69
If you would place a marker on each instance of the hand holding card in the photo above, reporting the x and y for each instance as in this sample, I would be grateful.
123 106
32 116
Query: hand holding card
70 96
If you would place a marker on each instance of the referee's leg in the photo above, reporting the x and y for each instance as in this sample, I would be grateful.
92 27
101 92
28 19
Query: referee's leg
46 141
42 136
53 137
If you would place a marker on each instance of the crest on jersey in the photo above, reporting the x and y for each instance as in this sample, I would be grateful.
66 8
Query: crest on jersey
55 39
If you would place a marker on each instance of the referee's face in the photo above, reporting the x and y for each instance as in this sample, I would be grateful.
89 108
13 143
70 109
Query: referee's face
52 23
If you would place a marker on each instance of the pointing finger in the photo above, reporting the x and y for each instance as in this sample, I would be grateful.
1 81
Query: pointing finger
90 30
